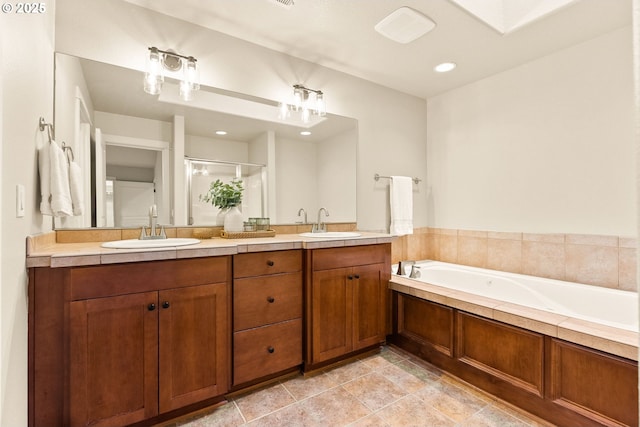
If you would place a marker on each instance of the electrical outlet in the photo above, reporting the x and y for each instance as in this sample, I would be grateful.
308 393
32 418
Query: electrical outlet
20 201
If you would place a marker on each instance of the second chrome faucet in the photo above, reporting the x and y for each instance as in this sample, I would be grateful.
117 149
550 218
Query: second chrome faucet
319 226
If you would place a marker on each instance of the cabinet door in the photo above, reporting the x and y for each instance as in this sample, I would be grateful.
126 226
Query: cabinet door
113 360
194 344
331 302
369 297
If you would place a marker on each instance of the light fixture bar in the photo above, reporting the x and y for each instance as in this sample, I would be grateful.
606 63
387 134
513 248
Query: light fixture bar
168 52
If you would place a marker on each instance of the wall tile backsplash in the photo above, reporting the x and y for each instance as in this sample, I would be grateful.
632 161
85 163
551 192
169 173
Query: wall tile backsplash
608 261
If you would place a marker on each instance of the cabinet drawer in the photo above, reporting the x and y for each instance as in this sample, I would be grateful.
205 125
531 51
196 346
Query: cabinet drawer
258 301
329 258
262 263
119 279
263 351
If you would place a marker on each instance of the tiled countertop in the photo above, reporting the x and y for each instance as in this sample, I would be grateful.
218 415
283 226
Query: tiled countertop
611 340
48 253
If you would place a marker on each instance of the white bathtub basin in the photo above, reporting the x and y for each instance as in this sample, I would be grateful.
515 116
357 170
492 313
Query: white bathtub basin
146 244
332 234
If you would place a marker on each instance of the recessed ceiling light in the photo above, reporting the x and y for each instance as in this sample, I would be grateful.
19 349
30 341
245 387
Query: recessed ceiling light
221 132
445 67
305 133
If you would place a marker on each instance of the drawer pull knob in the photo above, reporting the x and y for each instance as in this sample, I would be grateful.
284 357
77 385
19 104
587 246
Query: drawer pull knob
271 300
350 277
151 307
357 276
271 349
165 304
270 263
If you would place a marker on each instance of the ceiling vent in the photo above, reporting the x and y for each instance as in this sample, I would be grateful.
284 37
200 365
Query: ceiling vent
287 4
405 25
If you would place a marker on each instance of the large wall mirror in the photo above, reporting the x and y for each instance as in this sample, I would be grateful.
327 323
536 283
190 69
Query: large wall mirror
132 148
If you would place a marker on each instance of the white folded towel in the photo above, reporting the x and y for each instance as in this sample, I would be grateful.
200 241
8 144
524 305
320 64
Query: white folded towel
76 188
59 181
44 169
401 201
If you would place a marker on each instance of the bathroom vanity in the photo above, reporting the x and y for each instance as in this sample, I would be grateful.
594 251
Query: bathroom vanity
118 337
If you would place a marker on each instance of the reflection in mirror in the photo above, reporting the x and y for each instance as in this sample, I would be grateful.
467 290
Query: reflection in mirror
104 107
200 173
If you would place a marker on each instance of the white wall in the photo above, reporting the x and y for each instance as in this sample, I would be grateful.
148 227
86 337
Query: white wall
26 69
392 127
545 147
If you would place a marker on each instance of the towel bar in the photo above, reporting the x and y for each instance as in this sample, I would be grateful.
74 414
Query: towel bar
378 176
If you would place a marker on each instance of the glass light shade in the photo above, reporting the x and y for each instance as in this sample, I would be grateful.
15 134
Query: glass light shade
321 107
298 98
153 78
306 115
283 111
190 79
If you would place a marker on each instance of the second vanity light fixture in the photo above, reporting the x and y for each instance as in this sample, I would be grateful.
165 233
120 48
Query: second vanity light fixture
184 68
306 101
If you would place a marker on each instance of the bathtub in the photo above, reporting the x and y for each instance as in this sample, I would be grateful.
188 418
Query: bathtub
611 307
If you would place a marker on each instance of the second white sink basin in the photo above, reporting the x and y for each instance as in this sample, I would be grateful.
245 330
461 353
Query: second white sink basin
152 243
332 234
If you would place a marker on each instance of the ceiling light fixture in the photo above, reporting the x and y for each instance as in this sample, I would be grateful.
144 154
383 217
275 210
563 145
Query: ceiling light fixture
171 64
305 133
444 67
305 101
221 132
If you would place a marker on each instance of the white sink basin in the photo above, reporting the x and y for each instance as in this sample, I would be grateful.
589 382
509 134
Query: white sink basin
145 244
332 234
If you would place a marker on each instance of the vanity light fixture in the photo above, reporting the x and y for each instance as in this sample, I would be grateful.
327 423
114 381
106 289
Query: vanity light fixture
306 102
172 64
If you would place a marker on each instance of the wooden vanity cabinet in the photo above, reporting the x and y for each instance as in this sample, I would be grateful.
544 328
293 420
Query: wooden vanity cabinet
267 314
136 340
346 301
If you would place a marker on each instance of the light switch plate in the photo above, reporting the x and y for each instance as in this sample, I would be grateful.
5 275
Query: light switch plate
20 201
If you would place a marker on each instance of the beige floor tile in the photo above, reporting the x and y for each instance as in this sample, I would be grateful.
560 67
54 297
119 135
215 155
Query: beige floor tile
374 390
372 420
303 387
224 416
452 401
349 372
263 402
493 417
334 407
404 379
413 412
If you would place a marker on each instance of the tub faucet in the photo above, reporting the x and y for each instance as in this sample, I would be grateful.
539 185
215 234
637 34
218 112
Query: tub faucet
415 272
402 265
302 211
153 225
320 227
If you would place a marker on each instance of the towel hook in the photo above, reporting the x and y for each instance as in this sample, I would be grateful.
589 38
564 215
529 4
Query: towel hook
44 125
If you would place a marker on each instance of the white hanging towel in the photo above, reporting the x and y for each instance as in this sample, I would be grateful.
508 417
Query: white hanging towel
44 168
76 188
401 200
59 182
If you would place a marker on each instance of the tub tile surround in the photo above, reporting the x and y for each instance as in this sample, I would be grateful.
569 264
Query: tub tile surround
604 338
608 261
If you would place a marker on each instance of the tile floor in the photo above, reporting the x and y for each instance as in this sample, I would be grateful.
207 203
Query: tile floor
391 388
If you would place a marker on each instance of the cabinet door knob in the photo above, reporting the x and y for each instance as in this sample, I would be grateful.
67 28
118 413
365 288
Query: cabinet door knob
350 277
165 304
151 307
271 349
270 263
357 276
271 300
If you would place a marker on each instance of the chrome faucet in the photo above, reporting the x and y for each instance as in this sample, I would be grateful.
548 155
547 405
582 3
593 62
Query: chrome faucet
153 226
300 212
402 265
320 227
415 272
